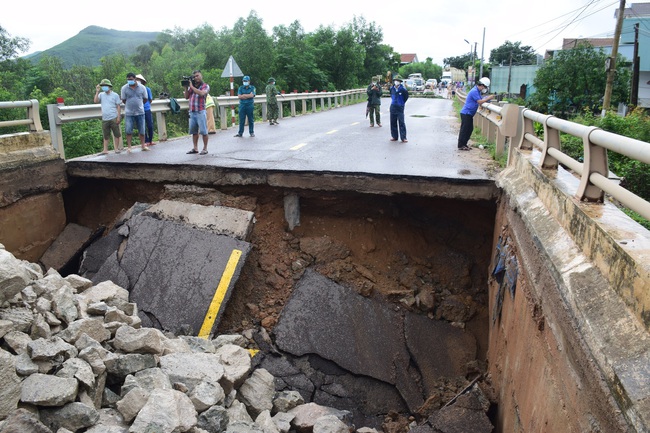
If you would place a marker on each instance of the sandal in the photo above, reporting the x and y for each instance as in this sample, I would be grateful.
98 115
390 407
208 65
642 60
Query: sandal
203 152
463 148
192 151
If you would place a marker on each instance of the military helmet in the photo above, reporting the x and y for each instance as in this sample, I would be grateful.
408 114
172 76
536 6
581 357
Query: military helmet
398 78
271 80
105 82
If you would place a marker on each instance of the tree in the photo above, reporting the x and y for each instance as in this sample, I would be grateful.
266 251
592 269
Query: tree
574 80
514 52
11 47
377 55
253 49
458 62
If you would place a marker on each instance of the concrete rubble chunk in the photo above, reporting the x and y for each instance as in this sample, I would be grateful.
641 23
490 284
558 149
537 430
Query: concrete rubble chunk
257 392
110 421
237 412
5 326
306 415
20 317
191 369
283 421
66 246
148 379
47 390
10 387
72 416
244 427
206 394
24 365
284 401
167 410
17 341
330 424
223 339
63 304
105 291
123 365
131 340
175 345
14 275
45 349
40 328
23 421
198 344
78 283
266 423
220 220
215 419
93 328
132 402
92 352
79 369
236 362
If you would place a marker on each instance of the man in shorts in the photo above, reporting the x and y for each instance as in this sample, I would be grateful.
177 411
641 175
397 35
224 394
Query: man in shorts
134 95
111 107
196 92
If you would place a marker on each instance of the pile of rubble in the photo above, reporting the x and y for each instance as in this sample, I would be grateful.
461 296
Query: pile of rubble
74 357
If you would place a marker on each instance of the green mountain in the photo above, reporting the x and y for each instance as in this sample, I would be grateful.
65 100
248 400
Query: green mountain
93 43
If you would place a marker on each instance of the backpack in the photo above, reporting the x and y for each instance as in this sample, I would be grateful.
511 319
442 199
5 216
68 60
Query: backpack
173 105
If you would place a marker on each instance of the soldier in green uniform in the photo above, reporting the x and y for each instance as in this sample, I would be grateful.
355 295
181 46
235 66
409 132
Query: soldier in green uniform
272 101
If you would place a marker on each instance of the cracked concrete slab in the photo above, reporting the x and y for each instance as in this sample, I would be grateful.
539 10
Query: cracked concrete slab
172 268
371 338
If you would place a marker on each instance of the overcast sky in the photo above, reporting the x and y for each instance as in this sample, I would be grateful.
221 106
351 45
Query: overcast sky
409 27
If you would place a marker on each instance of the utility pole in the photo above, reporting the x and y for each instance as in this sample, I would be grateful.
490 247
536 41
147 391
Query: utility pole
611 70
634 96
509 73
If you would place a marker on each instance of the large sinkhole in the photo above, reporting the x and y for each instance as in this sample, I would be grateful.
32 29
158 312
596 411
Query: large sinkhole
374 304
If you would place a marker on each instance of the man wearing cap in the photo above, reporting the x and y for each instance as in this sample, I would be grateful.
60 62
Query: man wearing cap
111 107
272 101
398 97
134 95
196 93
246 95
148 118
473 100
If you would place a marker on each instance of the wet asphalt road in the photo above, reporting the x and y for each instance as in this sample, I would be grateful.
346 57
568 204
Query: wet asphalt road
339 140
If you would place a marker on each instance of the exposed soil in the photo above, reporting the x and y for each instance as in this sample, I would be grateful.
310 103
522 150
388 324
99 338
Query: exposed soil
429 255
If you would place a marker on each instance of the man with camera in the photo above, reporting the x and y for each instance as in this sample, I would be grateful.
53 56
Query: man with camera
374 102
196 92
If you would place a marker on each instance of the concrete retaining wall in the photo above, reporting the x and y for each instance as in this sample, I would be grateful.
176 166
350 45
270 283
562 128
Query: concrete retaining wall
32 177
566 352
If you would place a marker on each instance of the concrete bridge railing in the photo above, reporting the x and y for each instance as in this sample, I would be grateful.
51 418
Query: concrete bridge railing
60 114
499 123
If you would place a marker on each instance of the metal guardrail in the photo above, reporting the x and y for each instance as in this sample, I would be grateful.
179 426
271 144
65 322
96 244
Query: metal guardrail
33 118
60 114
500 122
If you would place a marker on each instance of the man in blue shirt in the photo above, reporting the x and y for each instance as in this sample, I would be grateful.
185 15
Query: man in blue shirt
472 102
246 95
398 97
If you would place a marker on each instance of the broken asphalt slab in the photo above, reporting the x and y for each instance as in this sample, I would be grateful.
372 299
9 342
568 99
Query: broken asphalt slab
176 263
372 338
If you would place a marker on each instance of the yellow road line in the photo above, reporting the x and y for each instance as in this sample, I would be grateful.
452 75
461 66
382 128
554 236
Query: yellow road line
219 294
332 131
298 146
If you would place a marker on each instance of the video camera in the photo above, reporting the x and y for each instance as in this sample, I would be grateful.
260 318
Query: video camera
185 82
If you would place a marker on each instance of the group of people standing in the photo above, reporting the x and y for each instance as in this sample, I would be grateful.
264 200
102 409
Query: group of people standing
136 97
398 97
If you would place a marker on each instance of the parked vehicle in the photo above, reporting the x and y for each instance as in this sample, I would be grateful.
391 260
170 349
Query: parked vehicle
431 83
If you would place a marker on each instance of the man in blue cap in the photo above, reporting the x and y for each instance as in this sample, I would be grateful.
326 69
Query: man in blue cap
246 95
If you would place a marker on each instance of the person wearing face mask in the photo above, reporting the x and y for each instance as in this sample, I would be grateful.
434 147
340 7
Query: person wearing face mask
246 95
398 97
134 95
374 102
474 99
111 107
